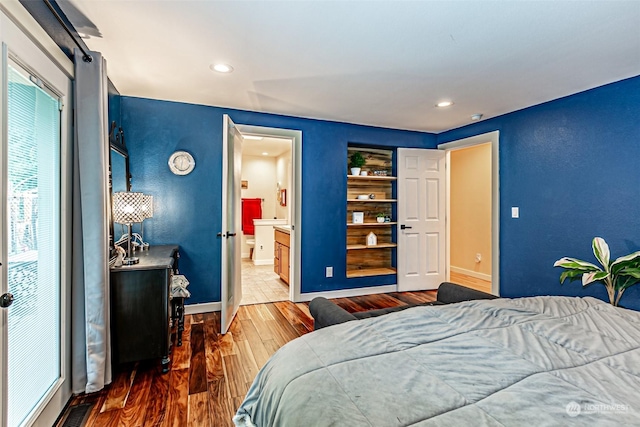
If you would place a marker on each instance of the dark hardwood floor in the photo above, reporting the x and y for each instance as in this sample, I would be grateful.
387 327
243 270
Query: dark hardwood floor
211 373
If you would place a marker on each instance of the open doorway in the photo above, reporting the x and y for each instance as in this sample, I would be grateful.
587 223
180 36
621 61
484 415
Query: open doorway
266 184
470 216
473 212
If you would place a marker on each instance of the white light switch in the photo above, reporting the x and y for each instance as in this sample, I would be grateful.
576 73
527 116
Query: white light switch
329 272
515 212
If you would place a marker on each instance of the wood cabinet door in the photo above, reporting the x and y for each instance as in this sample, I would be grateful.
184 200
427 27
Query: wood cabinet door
276 258
284 263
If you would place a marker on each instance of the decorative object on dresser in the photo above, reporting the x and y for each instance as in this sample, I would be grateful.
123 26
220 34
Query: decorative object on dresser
127 209
179 292
140 307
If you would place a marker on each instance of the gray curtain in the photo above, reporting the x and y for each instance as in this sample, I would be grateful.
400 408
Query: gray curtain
91 347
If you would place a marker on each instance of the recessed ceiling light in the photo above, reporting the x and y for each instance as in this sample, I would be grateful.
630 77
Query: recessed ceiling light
476 117
444 104
265 154
221 68
254 137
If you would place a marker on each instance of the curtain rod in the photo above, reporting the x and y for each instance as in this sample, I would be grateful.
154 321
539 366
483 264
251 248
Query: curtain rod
85 56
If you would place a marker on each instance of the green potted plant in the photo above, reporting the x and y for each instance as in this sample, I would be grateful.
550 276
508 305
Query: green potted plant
356 161
380 216
617 276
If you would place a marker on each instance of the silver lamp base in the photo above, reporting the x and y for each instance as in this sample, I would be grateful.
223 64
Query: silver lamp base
130 260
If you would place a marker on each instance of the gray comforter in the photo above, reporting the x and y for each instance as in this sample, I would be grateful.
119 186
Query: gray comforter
544 361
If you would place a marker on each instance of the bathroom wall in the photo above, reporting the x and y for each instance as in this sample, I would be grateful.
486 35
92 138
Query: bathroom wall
260 174
283 176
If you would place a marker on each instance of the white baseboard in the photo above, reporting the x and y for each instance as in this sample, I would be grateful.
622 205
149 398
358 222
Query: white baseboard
263 262
346 293
471 273
206 307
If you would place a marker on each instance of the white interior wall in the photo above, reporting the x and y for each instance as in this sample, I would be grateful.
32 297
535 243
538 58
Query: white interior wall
283 176
260 173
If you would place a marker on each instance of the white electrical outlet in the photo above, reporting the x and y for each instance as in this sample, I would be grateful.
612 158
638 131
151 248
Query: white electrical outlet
515 212
328 272
478 257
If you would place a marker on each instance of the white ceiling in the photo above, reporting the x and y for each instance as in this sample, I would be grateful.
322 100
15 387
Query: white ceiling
274 147
381 63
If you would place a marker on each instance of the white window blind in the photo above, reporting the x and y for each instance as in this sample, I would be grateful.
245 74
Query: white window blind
33 242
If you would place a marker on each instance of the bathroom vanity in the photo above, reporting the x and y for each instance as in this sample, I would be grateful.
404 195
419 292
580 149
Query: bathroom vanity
281 263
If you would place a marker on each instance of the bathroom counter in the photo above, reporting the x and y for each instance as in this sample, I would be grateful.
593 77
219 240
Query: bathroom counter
281 261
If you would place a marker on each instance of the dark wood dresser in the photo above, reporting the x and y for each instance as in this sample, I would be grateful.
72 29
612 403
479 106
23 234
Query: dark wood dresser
141 308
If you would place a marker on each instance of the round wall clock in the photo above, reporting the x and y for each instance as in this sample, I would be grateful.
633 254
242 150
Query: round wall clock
181 163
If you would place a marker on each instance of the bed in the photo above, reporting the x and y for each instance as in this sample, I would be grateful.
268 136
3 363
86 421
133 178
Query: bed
503 362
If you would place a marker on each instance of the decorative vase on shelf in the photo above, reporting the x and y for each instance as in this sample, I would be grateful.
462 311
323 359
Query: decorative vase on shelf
380 219
355 171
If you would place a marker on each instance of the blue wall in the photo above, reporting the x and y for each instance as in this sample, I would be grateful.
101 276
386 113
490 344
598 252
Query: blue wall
573 167
188 208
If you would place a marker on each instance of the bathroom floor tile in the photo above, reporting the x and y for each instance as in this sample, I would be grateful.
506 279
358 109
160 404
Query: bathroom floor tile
261 285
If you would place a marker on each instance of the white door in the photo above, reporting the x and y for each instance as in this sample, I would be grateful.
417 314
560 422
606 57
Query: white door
421 219
231 222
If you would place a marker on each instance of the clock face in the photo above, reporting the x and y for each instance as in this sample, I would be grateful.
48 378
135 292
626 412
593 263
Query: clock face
181 163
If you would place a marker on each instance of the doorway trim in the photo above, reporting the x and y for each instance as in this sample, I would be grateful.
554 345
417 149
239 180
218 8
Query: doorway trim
493 138
296 182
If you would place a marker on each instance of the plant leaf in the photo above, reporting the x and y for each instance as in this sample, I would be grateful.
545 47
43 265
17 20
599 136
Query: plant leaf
630 271
572 275
576 264
594 276
625 282
625 261
601 251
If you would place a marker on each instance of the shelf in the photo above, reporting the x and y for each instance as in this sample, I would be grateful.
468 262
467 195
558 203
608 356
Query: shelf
373 200
372 224
365 272
371 178
376 260
378 246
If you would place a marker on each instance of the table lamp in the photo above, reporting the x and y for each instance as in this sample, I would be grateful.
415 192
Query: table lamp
127 209
147 211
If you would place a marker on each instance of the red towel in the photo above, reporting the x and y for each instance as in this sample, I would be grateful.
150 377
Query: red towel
251 209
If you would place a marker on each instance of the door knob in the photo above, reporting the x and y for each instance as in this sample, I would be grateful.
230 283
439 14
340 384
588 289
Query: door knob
6 300
402 227
230 235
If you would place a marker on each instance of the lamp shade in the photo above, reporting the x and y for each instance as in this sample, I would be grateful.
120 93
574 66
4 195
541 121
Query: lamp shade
127 207
147 206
